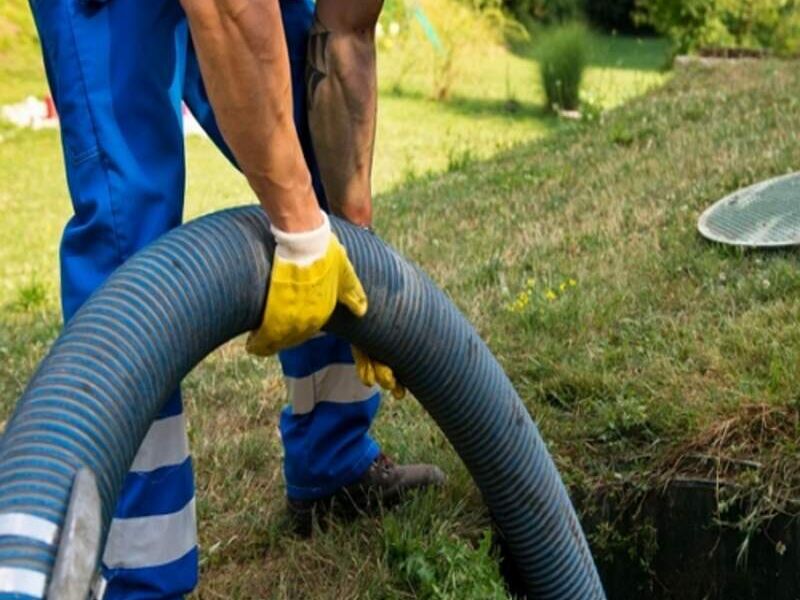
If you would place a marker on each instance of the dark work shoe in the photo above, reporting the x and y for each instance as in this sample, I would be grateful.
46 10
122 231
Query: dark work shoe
383 484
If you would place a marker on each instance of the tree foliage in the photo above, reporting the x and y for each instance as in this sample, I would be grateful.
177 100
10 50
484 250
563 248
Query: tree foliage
748 24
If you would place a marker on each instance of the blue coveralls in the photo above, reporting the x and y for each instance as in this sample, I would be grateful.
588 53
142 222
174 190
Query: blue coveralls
118 71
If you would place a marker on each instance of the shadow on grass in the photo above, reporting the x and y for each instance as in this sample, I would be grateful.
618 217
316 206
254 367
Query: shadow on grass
511 109
636 53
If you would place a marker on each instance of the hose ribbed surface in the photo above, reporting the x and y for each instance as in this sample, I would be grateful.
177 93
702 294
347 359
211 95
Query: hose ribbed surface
102 384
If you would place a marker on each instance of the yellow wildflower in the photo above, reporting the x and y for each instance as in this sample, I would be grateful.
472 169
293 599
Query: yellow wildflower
520 302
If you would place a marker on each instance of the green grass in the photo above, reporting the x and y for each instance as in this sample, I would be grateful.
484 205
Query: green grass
20 65
664 349
496 100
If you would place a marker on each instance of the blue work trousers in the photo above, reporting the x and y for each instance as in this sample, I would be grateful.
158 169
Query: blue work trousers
119 71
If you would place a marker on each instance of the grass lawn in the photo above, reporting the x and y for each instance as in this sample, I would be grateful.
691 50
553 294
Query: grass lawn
634 343
21 73
496 99
495 102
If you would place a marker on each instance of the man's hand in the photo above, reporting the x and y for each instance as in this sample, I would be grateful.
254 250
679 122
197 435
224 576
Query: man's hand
243 57
371 371
311 273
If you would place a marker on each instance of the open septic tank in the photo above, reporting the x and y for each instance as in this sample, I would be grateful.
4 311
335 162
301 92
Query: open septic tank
696 537
673 544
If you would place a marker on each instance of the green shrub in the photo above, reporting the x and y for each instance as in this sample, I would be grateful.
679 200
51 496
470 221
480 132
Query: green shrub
787 35
683 21
562 55
454 29
742 24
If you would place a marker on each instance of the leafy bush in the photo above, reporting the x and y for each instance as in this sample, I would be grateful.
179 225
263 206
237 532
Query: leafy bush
787 35
562 56
438 40
741 24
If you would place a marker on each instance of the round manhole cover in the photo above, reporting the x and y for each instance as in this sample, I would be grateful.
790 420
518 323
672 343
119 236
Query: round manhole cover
763 215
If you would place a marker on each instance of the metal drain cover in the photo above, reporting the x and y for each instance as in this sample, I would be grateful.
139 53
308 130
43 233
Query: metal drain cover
764 215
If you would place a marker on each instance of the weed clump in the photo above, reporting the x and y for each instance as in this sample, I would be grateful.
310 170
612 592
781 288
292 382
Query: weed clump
439 564
563 52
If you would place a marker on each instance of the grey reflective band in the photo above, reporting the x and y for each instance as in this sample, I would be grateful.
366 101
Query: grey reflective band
22 581
29 526
335 383
165 445
142 542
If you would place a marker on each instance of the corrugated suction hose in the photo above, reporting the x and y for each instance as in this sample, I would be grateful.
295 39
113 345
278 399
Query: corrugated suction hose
94 396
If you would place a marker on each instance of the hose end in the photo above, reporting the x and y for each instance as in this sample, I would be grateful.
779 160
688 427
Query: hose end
79 546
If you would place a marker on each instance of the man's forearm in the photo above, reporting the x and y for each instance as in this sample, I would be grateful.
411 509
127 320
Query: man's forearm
342 102
243 57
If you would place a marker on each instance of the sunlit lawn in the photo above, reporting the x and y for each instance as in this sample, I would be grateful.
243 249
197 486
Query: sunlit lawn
576 205
662 337
496 101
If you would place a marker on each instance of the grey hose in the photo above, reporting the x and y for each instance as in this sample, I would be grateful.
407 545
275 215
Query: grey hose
94 396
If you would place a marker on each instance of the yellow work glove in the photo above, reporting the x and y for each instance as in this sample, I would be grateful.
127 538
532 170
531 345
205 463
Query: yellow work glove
310 275
371 372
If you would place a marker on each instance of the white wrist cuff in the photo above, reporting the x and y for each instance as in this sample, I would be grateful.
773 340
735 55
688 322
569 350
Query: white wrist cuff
305 247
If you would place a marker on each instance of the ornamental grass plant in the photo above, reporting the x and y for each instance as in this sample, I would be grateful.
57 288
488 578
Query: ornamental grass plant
563 54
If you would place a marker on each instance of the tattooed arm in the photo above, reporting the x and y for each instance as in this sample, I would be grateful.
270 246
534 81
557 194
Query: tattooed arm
342 102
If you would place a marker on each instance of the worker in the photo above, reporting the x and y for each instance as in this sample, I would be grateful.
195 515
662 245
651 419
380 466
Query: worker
256 74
